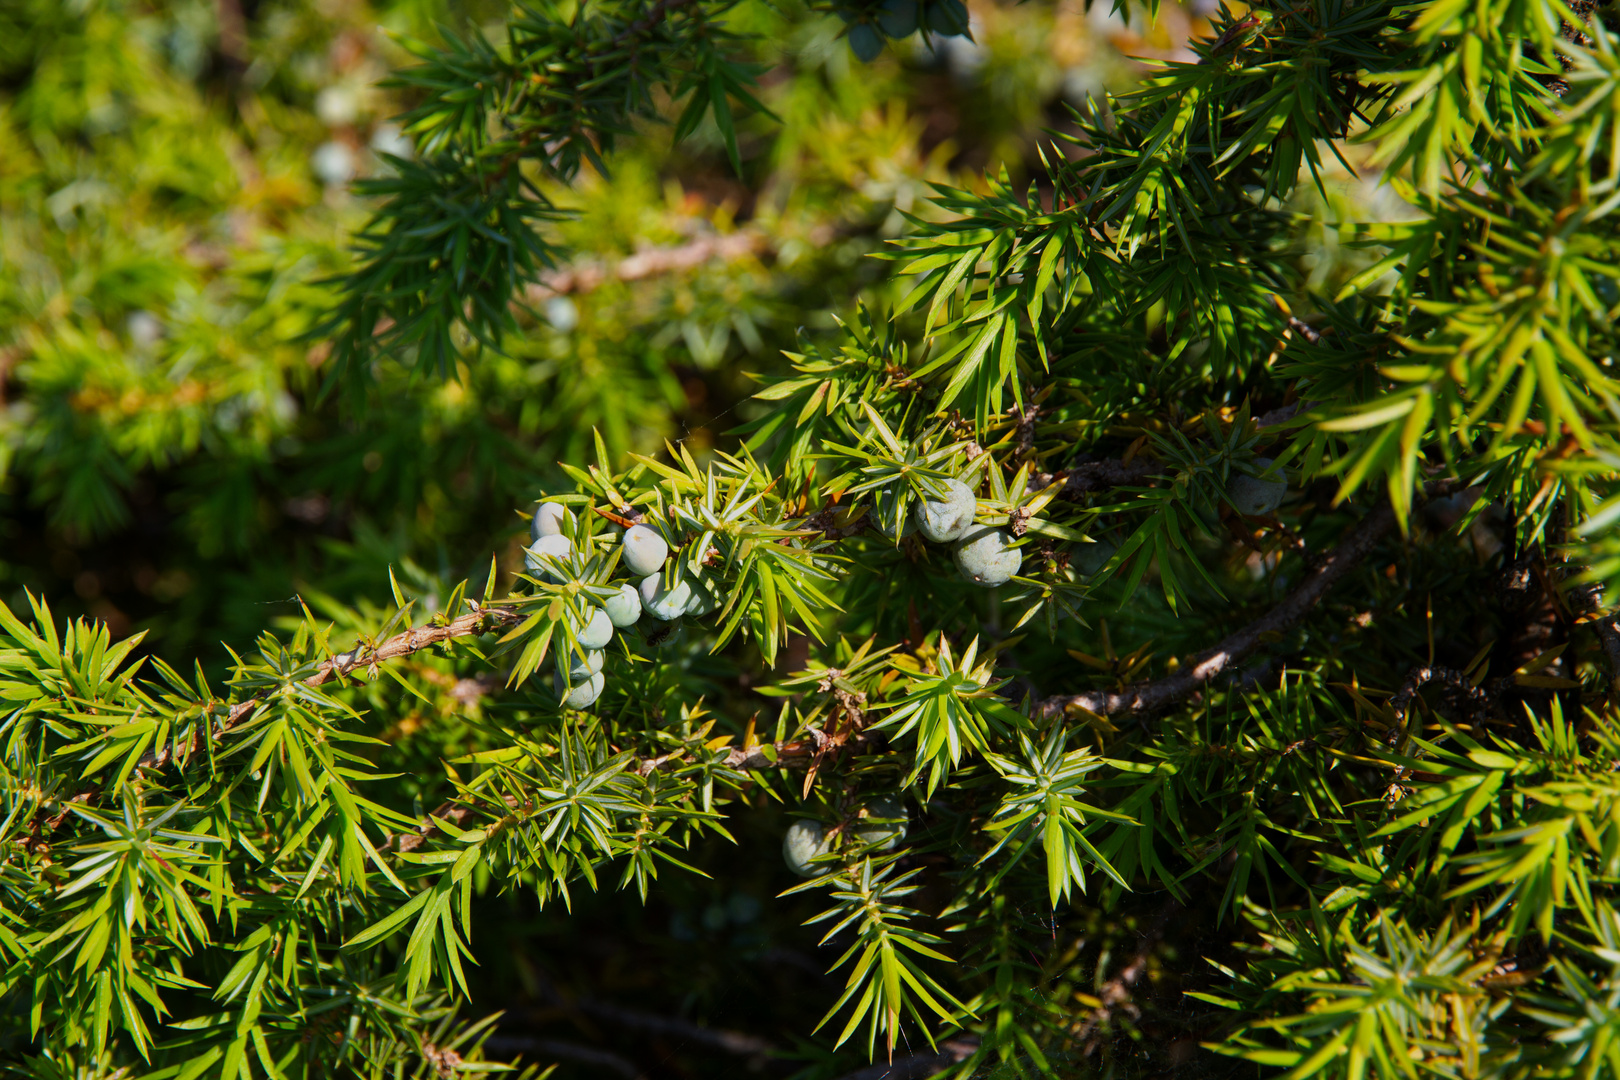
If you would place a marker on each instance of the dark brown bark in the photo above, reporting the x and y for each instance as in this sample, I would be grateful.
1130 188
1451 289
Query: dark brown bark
1204 666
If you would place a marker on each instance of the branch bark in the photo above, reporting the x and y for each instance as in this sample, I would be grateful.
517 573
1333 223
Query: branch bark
585 277
566 1051
1091 475
1468 700
732 1042
478 621
655 15
1204 666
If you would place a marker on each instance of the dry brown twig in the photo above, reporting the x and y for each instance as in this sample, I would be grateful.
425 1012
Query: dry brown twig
793 754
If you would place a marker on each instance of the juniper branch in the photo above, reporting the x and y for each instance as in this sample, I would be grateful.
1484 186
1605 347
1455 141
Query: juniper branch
791 754
478 621
1204 666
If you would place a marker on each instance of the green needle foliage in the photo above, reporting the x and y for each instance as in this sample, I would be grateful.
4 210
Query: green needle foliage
1264 720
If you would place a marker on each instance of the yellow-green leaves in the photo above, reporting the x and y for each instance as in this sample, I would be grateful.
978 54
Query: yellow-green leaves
1042 804
949 712
1465 70
887 984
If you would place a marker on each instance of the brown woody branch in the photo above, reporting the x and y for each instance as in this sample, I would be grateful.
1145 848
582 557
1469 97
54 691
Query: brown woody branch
804 753
1093 475
567 1051
732 1042
1204 666
1281 414
478 621
781 755
587 276
655 15
1466 701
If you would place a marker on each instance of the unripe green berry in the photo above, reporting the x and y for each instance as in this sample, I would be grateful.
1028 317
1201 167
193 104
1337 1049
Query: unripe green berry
705 595
1251 495
665 635
885 834
556 546
662 603
644 551
597 632
945 520
581 669
805 840
986 557
898 18
625 608
865 42
547 520
580 696
1090 558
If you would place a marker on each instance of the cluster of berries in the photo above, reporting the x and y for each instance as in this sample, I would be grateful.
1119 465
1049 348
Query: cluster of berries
1252 495
579 680
984 554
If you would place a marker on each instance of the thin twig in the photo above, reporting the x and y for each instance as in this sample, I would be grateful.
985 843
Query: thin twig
1470 703
655 15
586 277
1091 475
732 1042
1281 415
478 621
794 754
481 620
781 755
1201 667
